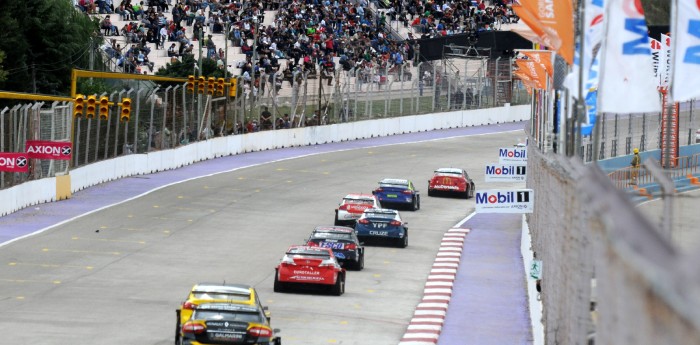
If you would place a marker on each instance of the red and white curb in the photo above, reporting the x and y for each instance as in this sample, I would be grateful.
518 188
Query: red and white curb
426 324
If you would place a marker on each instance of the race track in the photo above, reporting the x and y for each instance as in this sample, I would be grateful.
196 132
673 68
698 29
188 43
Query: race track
117 275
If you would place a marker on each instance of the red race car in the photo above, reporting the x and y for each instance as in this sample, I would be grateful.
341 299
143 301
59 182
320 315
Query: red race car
352 206
311 266
451 180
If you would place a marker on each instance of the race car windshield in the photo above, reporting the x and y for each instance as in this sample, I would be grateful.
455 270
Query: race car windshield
310 253
358 201
380 215
448 173
219 296
332 236
216 315
393 185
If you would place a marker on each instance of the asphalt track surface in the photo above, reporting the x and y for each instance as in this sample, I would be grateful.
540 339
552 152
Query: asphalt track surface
116 275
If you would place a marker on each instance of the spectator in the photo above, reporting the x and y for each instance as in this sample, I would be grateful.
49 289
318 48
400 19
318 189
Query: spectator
172 52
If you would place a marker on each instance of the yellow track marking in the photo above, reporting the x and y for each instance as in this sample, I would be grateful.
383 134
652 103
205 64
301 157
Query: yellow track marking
79 251
47 265
75 238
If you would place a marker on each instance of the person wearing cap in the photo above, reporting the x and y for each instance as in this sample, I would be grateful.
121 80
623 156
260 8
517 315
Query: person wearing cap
636 160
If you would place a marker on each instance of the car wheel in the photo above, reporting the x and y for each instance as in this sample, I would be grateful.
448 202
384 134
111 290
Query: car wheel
339 287
279 286
418 203
360 263
404 241
336 222
431 192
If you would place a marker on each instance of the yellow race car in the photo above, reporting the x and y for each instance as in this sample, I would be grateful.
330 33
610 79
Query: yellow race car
224 314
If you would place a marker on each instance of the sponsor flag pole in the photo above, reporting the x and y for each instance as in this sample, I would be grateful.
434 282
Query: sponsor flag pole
580 103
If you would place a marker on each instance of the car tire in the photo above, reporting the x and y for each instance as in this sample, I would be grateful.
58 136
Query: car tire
279 286
360 264
336 222
418 204
431 192
414 205
404 241
339 287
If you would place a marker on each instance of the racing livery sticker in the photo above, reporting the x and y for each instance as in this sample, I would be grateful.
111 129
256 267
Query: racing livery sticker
505 201
14 162
41 149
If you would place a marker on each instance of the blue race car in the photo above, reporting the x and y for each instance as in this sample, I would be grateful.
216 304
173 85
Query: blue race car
397 192
382 225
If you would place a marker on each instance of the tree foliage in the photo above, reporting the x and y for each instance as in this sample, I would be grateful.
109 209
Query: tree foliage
43 40
3 73
185 67
657 12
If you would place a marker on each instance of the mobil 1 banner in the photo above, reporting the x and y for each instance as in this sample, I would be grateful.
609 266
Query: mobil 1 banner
505 201
512 155
505 173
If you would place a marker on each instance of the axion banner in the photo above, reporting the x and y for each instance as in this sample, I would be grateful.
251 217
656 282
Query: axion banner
14 162
40 149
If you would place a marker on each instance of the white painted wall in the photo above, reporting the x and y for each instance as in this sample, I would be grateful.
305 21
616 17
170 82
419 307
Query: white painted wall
44 190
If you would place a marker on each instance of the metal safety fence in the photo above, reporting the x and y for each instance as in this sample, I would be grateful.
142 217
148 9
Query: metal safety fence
609 275
167 116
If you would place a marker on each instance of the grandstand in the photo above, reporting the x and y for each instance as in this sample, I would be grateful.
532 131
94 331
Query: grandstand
359 33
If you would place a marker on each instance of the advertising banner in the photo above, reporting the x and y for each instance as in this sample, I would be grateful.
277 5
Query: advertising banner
14 162
505 173
505 201
57 150
510 155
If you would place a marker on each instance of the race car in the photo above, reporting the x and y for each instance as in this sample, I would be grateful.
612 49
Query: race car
451 180
228 323
397 192
382 225
352 206
343 242
212 293
310 266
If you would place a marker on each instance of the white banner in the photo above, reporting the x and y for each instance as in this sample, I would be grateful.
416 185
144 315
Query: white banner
594 36
627 83
685 24
666 63
508 155
505 173
505 201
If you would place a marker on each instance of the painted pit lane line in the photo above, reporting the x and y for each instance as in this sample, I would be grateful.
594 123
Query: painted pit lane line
39 218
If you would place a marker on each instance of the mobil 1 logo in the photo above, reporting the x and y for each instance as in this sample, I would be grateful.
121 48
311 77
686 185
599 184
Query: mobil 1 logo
505 173
505 201
512 155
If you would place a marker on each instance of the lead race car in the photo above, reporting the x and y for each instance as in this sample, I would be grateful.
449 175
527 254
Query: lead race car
310 266
352 206
343 242
382 225
397 192
451 181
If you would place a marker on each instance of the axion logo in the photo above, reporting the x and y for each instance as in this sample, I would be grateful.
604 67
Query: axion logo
39 149
14 162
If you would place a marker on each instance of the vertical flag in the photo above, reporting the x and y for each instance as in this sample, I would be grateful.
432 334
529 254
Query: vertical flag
665 60
543 58
627 83
656 56
685 24
535 71
593 32
552 22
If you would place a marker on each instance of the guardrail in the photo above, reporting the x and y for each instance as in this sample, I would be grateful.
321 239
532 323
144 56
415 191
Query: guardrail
684 167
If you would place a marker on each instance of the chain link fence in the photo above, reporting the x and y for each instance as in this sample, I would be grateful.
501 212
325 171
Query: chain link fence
609 276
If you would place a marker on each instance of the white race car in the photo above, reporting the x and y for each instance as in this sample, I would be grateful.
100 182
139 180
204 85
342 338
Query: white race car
352 206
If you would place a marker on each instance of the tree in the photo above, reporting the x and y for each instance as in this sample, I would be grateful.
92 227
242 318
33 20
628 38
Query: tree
43 41
184 67
3 73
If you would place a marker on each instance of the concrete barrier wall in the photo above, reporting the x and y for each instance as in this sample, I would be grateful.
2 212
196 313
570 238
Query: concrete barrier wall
40 191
